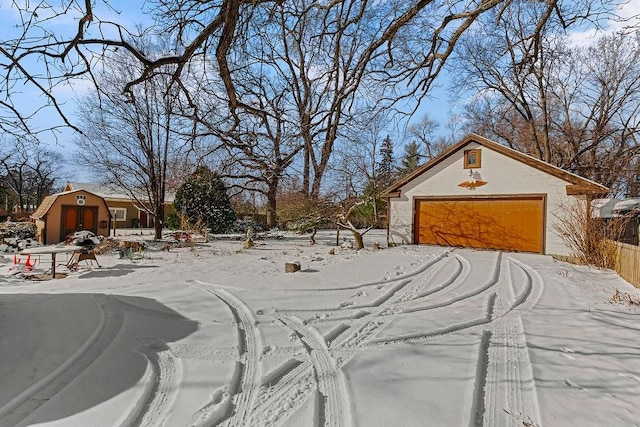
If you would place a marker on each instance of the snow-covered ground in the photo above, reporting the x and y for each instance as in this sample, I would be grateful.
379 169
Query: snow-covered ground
405 336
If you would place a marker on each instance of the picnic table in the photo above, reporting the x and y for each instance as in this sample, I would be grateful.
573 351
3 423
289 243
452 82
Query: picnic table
53 251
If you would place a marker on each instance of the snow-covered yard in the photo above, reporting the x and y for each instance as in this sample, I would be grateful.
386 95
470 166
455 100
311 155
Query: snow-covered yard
405 336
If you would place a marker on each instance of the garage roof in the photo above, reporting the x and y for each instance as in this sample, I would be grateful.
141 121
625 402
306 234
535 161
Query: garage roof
579 185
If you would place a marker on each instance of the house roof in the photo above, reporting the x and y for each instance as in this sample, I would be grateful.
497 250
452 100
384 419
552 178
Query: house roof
49 201
612 208
109 192
579 185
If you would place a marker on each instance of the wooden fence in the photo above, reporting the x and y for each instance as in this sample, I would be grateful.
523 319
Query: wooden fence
628 263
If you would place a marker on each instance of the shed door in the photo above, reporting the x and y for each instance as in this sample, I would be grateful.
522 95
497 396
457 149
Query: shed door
506 223
77 218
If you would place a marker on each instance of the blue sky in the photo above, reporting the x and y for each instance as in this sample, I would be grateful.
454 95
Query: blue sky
439 105
125 12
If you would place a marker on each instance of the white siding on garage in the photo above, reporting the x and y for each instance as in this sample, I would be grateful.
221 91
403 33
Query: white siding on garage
504 176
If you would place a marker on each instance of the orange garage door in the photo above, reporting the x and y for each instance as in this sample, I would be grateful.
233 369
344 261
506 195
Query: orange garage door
507 223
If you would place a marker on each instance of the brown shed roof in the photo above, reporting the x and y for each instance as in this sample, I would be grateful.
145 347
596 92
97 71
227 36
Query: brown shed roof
579 185
44 207
49 201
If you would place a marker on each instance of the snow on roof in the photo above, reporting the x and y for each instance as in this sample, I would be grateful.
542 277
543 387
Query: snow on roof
611 208
627 205
110 191
603 208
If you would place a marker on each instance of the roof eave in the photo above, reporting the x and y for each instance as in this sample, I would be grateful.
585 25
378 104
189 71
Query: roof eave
579 184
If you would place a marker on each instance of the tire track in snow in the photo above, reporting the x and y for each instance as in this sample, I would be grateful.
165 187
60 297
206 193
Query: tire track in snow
438 334
111 320
463 268
162 384
244 385
402 281
527 299
521 302
510 392
330 382
348 340
280 391
511 396
494 280
479 391
368 329
483 395
283 392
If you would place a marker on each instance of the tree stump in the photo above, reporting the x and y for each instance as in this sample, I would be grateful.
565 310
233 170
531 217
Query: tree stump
291 267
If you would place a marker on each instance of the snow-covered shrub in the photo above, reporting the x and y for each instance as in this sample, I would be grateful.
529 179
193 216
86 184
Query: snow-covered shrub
203 198
20 230
242 225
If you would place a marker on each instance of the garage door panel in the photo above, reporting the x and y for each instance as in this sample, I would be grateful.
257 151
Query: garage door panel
509 224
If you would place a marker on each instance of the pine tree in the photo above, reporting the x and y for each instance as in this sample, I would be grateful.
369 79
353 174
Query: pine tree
204 198
386 166
411 158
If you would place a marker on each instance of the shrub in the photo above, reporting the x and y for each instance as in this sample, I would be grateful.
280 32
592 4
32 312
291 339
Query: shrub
242 225
591 239
20 230
203 198
298 212
173 221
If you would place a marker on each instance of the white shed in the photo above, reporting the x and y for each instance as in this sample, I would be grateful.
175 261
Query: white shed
481 194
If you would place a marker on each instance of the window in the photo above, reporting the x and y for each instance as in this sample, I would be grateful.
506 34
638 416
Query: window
119 214
471 159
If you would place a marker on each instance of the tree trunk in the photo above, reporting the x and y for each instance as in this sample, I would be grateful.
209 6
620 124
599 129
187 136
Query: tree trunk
272 204
358 239
159 222
306 171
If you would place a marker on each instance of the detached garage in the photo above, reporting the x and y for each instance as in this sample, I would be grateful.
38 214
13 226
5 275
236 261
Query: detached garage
480 194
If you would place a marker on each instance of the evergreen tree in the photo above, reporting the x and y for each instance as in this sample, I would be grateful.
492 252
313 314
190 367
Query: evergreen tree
204 198
386 166
411 158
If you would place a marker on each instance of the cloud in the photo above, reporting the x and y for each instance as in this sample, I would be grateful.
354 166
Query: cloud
627 17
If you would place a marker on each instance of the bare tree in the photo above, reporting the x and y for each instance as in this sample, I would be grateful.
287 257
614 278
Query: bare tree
409 43
577 108
258 153
343 220
132 142
358 169
512 77
601 113
29 171
424 131
45 171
